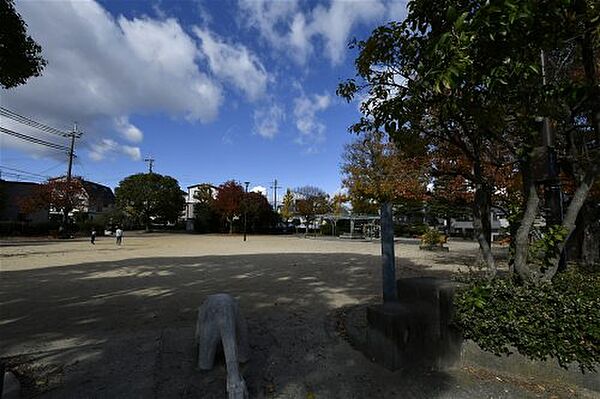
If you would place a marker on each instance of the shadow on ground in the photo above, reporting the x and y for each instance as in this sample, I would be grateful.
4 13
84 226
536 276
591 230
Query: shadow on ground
124 329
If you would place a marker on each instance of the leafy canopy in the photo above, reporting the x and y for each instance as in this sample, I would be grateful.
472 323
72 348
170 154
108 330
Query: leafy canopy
20 55
150 195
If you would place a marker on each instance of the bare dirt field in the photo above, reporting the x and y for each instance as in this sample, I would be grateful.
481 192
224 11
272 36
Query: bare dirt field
101 321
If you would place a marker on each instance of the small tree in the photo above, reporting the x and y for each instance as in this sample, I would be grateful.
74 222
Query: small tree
205 213
145 196
20 55
61 194
229 201
374 169
311 201
287 210
259 212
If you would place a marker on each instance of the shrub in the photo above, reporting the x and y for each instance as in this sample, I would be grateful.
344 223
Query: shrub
559 320
432 237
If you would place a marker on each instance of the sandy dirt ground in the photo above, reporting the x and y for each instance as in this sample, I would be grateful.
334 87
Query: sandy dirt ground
102 321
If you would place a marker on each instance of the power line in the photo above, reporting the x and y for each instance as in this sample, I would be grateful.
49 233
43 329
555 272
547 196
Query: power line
34 140
19 176
30 122
23 172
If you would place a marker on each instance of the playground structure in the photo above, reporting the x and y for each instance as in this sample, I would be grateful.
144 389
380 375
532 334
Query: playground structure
361 226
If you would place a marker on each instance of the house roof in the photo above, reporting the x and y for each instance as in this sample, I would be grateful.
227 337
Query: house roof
98 193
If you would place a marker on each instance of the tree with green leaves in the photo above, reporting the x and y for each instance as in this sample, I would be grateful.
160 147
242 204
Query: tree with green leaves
502 84
206 217
147 196
20 55
260 214
466 76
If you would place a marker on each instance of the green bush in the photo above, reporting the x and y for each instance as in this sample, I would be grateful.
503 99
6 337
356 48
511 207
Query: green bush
410 230
559 320
432 237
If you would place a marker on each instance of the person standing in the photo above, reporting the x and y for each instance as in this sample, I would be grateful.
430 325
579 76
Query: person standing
93 237
119 235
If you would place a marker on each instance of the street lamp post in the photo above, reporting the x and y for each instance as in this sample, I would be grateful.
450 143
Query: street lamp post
246 209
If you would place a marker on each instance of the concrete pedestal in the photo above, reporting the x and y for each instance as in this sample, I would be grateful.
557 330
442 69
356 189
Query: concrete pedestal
415 332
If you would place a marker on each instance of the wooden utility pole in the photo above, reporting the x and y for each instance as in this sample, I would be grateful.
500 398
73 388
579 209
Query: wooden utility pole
72 135
66 211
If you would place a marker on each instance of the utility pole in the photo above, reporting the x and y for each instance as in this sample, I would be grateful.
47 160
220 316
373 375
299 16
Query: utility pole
246 209
552 190
72 135
275 187
71 150
150 161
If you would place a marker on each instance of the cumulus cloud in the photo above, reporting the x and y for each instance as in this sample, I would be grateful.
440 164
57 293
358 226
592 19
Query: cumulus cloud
312 131
267 120
233 63
296 30
259 189
133 152
101 68
334 23
127 130
108 147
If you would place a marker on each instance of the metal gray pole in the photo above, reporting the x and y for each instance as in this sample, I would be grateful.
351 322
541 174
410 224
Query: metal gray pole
388 258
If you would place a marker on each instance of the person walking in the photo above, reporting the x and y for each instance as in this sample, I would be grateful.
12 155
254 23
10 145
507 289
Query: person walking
119 235
93 237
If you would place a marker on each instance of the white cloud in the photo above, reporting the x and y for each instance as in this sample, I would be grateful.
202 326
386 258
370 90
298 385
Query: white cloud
296 31
101 68
259 189
334 23
133 152
312 131
233 63
127 130
108 147
267 120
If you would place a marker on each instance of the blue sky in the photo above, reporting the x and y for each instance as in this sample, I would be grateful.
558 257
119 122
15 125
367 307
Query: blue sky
212 90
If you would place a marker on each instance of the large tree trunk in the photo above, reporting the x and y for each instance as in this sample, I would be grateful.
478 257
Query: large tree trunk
388 257
568 223
522 237
584 244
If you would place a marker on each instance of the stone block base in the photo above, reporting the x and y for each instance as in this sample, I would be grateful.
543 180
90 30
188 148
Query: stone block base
416 332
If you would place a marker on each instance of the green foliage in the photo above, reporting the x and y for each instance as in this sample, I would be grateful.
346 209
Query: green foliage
433 237
410 230
206 218
20 55
559 320
149 195
543 250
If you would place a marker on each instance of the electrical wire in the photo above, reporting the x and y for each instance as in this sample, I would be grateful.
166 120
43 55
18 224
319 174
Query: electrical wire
34 140
24 172
24 176
30 122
